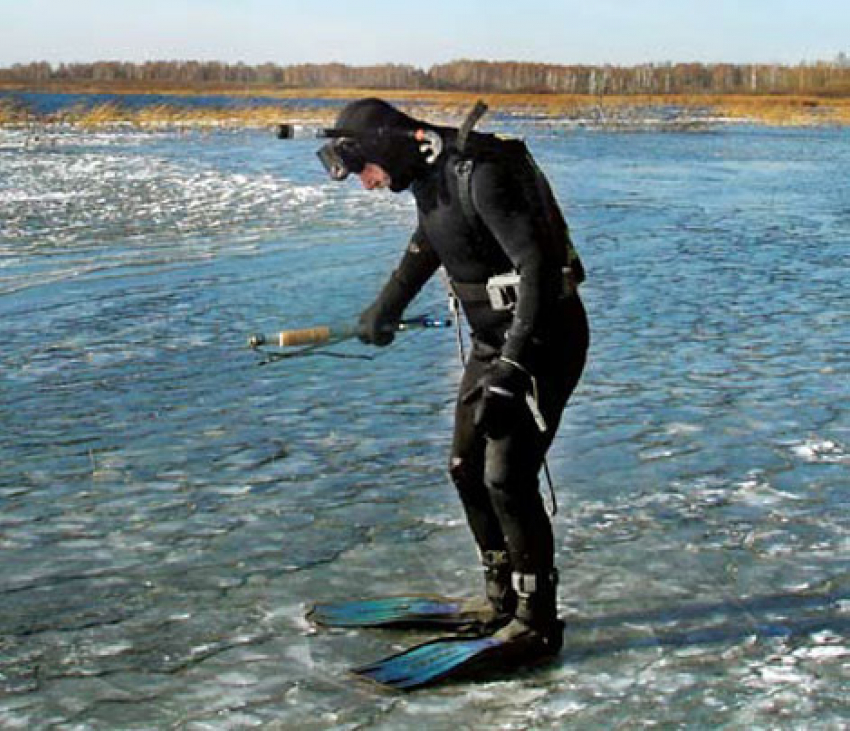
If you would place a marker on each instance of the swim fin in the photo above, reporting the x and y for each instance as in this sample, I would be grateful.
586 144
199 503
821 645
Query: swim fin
516 644
430 662
407 612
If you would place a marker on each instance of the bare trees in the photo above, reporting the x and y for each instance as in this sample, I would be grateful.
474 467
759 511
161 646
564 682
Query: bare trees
831 78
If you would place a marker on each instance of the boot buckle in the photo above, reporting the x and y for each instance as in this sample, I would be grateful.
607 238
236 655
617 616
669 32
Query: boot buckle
527 584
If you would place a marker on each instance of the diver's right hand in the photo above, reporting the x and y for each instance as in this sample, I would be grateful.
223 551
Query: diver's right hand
375 327
499 397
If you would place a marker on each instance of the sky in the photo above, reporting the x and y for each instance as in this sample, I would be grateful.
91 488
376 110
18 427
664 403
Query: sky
424 33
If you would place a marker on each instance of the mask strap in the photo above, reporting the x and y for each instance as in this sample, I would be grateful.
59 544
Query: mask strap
430 144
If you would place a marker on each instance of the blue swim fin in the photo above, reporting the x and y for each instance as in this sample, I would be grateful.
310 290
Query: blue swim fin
404 612
429 662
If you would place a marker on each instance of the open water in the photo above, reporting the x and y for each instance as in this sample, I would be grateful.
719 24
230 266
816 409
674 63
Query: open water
168 507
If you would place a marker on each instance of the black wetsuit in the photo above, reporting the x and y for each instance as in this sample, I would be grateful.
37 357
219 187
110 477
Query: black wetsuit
546 333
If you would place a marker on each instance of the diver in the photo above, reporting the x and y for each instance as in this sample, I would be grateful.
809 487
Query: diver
488 216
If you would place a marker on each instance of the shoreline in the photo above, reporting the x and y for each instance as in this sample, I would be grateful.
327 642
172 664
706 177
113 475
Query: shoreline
676 110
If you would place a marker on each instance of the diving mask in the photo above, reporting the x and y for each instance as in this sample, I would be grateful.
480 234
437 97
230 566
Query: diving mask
341 157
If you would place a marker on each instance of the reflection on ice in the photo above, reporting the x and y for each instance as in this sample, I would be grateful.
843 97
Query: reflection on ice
821 450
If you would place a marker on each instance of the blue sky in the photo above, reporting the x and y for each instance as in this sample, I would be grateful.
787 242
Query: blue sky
425 32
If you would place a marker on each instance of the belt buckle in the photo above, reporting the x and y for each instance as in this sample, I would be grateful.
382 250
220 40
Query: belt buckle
503 291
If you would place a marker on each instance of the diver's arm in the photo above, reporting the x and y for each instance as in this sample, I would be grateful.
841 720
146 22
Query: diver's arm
417 266
503 204
419 262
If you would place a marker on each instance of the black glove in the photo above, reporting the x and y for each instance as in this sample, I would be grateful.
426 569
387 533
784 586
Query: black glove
501 394
376 326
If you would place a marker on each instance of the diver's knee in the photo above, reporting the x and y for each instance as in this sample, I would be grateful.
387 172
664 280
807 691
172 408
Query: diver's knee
468 478
511 491
498 478
459 471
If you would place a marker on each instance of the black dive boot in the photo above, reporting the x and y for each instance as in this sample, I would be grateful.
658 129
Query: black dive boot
500 592
535 632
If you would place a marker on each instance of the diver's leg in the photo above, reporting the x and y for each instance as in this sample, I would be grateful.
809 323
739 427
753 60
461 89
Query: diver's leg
466 467
512 466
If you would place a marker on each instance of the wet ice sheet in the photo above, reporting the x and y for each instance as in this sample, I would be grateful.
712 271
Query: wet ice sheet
75 205
169 508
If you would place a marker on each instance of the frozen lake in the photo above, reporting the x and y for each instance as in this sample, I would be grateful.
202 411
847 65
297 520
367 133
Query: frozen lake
169 507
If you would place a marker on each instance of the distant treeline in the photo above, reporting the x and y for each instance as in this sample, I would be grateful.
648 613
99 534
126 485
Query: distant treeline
478 76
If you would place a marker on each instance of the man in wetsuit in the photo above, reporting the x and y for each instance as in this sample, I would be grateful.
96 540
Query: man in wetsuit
484 210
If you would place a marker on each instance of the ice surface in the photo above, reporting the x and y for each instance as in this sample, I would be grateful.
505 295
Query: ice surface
169 509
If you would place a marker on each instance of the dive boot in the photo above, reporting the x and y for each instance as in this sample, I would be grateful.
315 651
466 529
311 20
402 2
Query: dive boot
501 594
535 632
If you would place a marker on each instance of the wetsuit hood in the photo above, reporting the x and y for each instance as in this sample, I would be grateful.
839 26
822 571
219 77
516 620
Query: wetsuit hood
374 121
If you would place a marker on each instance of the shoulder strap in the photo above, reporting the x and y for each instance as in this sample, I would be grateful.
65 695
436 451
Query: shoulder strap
463 169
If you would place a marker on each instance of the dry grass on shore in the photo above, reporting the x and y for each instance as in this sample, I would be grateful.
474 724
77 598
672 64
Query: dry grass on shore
160 115
446 107
784 110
